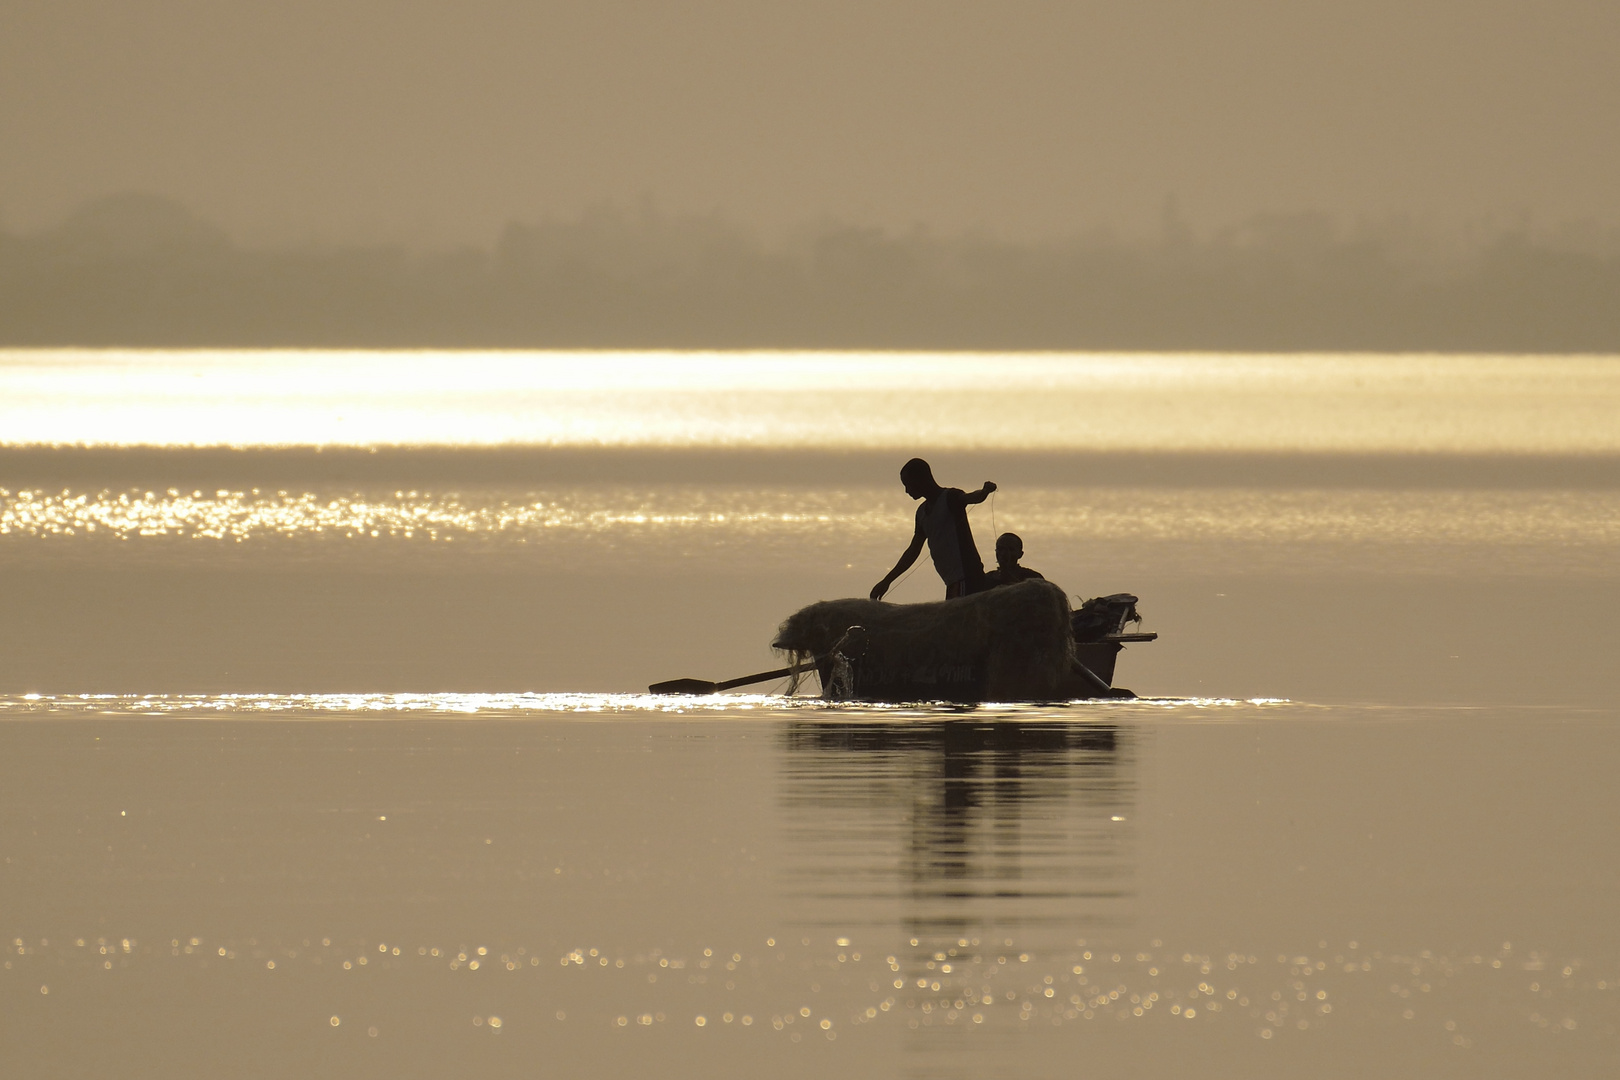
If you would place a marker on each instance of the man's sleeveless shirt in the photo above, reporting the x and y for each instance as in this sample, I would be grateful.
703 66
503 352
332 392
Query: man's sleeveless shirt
943 520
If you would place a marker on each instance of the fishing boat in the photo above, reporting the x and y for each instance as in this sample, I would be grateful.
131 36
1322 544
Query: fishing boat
1017 643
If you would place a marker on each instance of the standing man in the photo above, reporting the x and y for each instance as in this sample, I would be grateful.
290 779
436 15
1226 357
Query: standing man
942 522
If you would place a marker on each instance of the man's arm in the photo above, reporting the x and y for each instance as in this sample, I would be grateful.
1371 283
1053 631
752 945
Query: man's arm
973 498
907 557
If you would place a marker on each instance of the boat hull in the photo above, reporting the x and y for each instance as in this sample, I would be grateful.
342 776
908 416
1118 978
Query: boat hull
966 684
1017 643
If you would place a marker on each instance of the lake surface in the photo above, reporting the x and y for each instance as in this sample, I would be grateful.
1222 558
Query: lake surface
324 752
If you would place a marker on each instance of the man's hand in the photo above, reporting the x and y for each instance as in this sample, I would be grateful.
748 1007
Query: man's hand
879 589
974 498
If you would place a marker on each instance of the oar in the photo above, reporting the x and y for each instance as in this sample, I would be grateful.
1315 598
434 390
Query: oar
699 686
1094 679
1104 689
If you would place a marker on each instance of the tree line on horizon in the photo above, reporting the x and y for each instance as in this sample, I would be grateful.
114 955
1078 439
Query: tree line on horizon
137 270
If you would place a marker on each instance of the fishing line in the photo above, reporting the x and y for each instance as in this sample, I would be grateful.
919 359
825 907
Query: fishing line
994 532
902 578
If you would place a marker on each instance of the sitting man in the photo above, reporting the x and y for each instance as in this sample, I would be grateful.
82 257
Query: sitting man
1009 549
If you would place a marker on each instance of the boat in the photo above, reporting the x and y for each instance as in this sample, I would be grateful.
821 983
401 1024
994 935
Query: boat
1017 643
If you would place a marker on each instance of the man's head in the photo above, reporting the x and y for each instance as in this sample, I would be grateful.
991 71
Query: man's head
918 478
1009 549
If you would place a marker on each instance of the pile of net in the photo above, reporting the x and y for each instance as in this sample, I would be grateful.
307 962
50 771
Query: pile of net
1019 636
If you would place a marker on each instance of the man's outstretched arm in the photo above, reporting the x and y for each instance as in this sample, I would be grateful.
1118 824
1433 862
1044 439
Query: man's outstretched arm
974 497
907 557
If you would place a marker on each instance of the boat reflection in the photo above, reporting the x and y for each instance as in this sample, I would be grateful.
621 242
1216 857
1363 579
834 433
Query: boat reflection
960 831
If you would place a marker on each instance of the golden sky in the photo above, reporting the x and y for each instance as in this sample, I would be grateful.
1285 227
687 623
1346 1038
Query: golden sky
433 121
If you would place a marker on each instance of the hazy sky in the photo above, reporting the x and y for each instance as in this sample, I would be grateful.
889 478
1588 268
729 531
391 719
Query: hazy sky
437 121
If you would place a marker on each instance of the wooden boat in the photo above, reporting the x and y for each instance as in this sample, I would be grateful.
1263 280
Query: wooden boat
1018 643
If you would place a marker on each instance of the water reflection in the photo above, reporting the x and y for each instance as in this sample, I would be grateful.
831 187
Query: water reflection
962 830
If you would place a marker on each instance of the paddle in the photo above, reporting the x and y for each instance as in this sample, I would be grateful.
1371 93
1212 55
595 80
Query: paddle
1094 679
699 686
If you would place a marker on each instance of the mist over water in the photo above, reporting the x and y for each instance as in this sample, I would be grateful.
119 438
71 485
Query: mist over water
325 735
138 269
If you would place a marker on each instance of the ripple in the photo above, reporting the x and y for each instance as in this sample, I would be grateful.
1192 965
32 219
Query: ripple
757 706
403 515
1436 531
791 985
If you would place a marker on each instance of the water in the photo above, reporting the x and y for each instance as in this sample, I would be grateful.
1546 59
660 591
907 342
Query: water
897 401
289 734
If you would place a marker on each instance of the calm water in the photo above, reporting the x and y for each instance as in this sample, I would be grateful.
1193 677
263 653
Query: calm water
1454 404
323 752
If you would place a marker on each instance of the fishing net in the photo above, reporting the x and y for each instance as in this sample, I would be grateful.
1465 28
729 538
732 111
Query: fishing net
1016 639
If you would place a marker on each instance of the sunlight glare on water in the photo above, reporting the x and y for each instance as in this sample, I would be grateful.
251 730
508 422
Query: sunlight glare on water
760 525
576 706
1367 403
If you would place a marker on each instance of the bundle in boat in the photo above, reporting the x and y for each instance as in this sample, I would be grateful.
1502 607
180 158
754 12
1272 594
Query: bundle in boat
1008 644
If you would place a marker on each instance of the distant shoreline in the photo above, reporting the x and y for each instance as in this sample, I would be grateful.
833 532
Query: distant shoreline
144 272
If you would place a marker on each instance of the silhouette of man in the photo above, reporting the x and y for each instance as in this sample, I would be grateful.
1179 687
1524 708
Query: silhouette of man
942 522
1009 549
